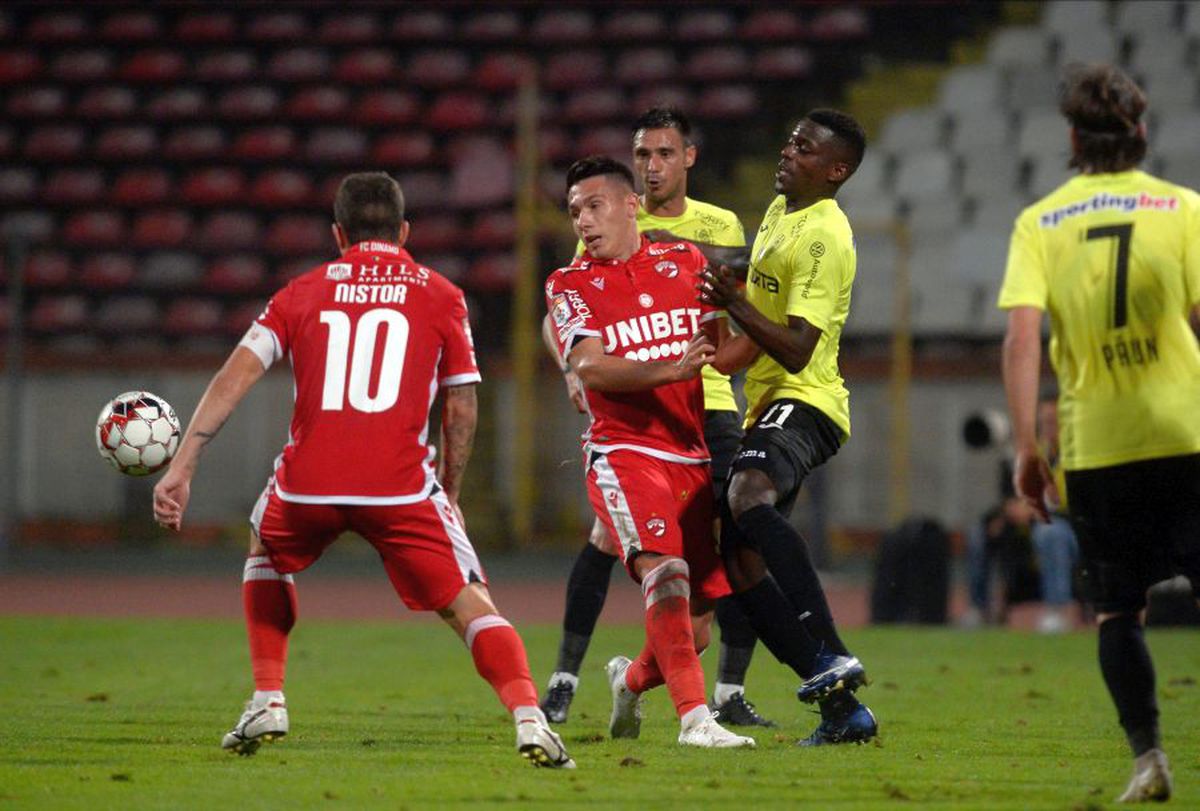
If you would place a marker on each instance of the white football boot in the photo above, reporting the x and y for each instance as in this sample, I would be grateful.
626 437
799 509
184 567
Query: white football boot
626 720
1151 780
708 734
539 744
265 722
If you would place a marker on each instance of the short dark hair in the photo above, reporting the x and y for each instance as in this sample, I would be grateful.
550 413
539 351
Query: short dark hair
1105 108
369 205
845 128
594 165
659 118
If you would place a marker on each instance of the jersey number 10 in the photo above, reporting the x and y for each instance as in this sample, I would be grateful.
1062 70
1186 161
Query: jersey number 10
360 359
1123 234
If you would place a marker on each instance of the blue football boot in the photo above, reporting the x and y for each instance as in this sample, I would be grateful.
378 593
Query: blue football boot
858 725
833 673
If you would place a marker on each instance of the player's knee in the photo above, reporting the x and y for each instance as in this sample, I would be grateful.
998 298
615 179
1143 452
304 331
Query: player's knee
749 489
471 603
670 578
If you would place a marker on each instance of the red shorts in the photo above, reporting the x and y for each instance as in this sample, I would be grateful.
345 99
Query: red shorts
652 505
424 548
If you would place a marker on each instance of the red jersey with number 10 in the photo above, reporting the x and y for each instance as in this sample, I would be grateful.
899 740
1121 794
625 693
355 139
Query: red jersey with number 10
371 337
642 309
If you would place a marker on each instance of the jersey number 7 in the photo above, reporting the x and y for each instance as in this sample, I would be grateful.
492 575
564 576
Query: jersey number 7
1123 234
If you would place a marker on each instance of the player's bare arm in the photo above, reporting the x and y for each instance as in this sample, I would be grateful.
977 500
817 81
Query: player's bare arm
227 388
602 372
1022 361
460 413
792 346
574 387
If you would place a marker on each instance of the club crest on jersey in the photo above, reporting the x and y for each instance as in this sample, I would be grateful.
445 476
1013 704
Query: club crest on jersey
667 268
598 282
656 527
339 271
646 300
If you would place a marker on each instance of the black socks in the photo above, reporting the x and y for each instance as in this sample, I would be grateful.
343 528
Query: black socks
1129 674
587 588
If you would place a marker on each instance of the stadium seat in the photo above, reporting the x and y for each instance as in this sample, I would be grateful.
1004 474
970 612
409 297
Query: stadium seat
1150 18
971 89
18 67
131 26
575 68
239 317
281 188
298 65
58 27
153 66
403 149
492 273
82 66
170 270
641 65
107 271
717 63
1064 16
213 186
1155 55
1087 45
265 144
127 143
278 26
1175 138
238 274
494 230
434 232
783 63
663 95
368 66
227 66
1184 171
1049 172
1019 45
127 315
458 111
54 143
561 25
729 101
438 68
8 141
206 27
387 108
912 129
293 234
924 174
348 28
614 141
869 210
339 145
48 269
450 265
980 130
1043 131
422 25
107 102
990 172
936 219
230 230
90 229
195 143
423 190
496 25
873 296
318 103
29 225
58 314
840 24
980 251
192 316
482 175
288 269
772 25
138 187
178 104
249 102
37 102
943 304
506 114
594 105
18 185
502 71
1032 87
713 23
634 24
75 186
161 228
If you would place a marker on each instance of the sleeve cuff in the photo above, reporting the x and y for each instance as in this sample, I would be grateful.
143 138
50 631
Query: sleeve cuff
460 380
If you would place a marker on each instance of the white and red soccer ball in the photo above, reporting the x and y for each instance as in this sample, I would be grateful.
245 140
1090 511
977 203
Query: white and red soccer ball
137 433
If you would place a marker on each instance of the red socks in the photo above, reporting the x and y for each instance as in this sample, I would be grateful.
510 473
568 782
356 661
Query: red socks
500 659
269 600
669 638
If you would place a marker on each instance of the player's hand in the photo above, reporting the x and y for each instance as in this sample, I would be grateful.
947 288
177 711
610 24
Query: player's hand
171 496
575 390
719 287
1034 483
699 353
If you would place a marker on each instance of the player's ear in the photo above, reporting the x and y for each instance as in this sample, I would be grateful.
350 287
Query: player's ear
404 229
839 172
339 236
689 156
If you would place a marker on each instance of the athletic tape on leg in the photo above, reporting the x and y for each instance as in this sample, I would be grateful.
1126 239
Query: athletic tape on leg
480 624
668 579
258 567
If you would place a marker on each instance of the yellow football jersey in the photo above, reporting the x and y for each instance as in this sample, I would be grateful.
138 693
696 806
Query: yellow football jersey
803 264
701 222
1115 260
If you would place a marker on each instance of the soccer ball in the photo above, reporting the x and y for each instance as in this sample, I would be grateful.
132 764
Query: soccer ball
137 433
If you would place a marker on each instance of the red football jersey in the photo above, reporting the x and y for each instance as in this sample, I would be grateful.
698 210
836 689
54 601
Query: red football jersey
642 309
371 337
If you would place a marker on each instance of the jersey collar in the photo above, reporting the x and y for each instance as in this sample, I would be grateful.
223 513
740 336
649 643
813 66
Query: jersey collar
374 246
587 260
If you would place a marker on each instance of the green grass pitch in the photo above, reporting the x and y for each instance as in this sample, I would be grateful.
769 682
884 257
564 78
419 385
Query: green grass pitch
99 714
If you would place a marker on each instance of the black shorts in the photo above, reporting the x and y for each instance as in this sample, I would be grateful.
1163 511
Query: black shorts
722 434
787 442
1137 524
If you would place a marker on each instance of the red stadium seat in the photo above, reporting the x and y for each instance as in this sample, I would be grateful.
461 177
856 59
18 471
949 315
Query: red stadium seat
249 102
107 102
840 24
506 114
492 273
482 175
783 63
348 28
108 271
48 269
623 26
554 145
498 25
717 63
423 190
237 274
413 148
161 228
728 101
281 188
422 26
58 314
206 26
18 67
502 71
154 66
131 26
227 66
265 143
178 104
31 225
336 145
293 234
95 229
291 268
494 230
569 69
127 315
138 187
438 68
231 230
434 233
387 107
278 26
75 186
367 66
615 142
192 316
58 26
596 105
298 65
37 102
669 95
82 66
450 265
459 110
18 185
54 143
127 143
319 103
562 25
213 186
327 191
706 24
647 65
239 317
195 143
772 25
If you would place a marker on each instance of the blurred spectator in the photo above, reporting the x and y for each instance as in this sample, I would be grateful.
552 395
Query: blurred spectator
1054 543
